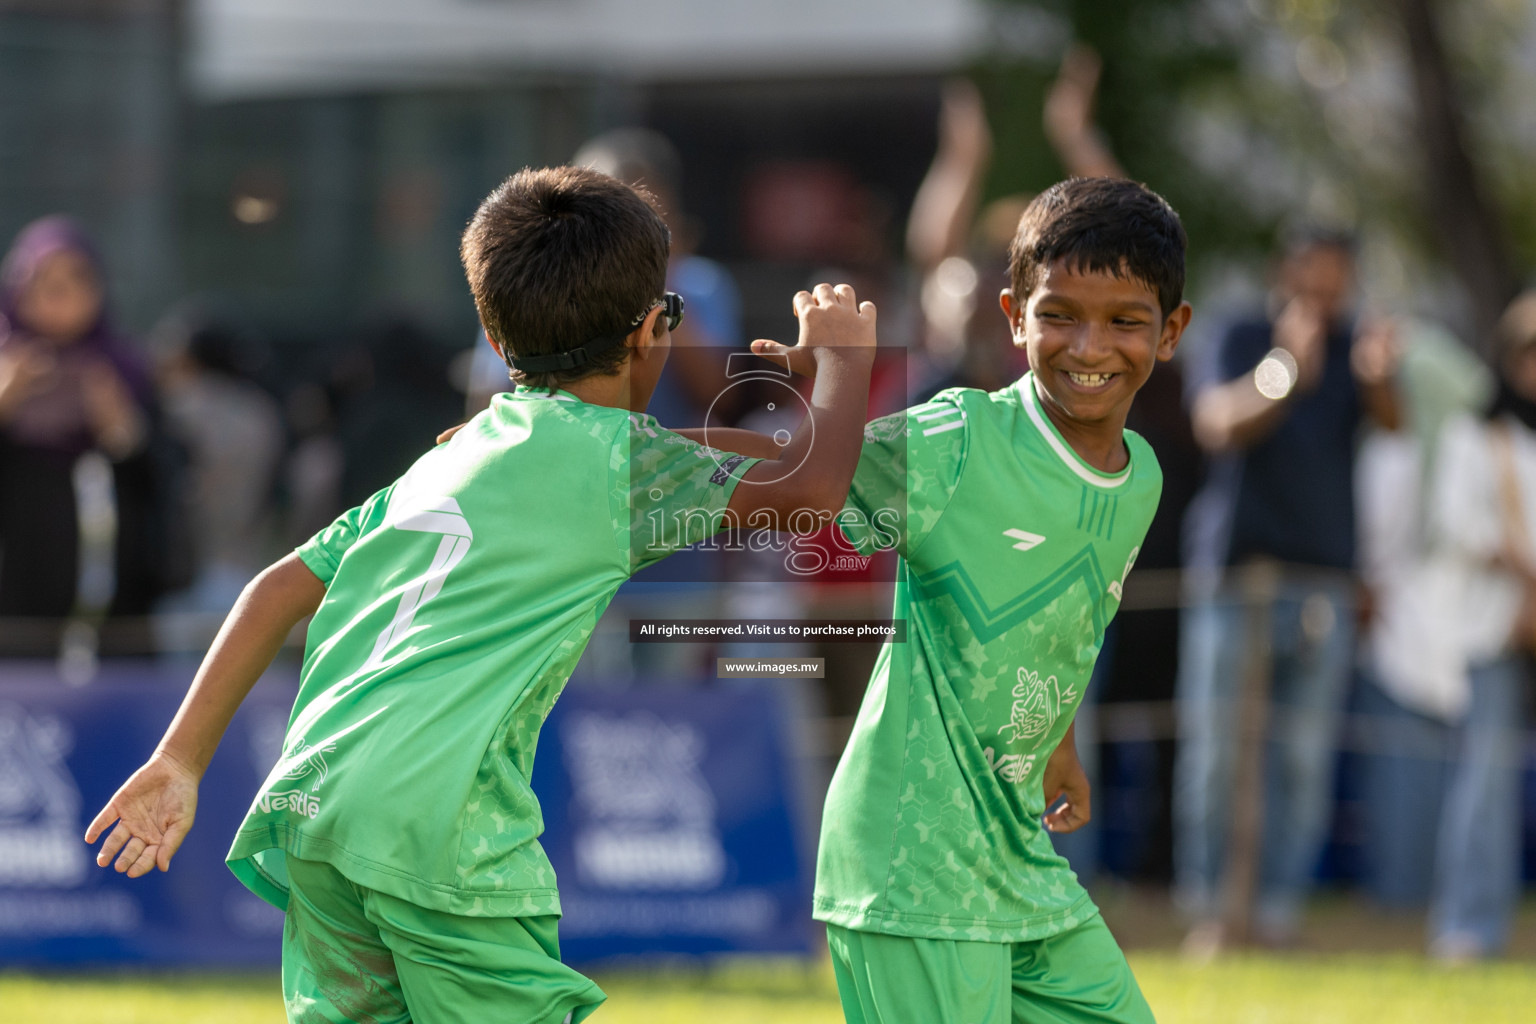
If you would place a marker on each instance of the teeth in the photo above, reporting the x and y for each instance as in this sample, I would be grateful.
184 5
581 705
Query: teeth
1090 380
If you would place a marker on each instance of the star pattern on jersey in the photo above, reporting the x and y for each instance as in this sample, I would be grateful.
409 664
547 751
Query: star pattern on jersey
940 841
498 851
966 856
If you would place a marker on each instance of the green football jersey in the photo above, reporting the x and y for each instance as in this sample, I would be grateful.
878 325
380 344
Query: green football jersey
458 600
1013 551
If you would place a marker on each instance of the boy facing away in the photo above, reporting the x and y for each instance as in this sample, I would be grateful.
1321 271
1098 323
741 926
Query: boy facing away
1017 515
397 830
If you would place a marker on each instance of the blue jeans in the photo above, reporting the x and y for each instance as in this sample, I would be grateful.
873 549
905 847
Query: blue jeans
1403 788
1312 637
1477 854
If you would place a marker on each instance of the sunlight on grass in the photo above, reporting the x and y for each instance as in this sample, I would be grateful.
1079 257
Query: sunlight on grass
1244 989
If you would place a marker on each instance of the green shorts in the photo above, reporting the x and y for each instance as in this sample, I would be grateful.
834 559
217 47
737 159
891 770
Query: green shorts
356 954
1077 977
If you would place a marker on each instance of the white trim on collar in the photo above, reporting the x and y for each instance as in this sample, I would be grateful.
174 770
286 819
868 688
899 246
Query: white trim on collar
1074 462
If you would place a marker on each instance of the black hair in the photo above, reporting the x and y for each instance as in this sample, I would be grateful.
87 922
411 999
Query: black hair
1103 226
559 256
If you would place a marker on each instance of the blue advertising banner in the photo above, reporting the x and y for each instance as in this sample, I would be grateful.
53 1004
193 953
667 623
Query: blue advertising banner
63 752
668 819
669 823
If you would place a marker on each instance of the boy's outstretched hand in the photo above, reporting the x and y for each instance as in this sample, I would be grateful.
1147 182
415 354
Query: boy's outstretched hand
1066 784
830 318
153 810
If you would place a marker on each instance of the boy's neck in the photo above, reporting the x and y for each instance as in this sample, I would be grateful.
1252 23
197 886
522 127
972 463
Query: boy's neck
611 390
1101 444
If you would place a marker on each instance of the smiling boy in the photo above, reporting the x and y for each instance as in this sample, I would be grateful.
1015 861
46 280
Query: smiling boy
1021 511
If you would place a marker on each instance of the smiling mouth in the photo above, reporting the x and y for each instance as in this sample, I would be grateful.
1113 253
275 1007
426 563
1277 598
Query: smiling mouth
1090 380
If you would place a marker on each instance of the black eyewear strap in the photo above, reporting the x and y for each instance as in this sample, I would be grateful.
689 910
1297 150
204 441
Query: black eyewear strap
672 308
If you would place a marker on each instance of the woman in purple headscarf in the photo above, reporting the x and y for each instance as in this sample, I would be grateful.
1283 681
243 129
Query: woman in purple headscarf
68 385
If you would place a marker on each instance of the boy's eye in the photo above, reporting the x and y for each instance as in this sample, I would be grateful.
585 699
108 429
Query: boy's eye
1125 321
1055 318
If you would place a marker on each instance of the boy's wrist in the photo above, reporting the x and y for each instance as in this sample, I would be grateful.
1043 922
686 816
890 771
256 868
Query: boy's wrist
851 354
181 763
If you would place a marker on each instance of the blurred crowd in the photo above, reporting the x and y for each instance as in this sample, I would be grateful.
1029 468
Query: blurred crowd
1350 499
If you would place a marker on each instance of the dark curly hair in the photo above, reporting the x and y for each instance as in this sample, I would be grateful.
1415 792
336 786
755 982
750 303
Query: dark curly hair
558 256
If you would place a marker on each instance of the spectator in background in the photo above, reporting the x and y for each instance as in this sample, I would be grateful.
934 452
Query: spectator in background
1276 403
1485 518
71 386
1414 669
232 430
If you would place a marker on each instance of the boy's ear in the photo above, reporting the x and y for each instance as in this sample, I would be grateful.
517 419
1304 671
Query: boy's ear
1173 330
496 346
1013 309
643 339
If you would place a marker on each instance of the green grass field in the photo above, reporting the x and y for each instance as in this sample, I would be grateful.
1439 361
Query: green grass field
1356 965
1246 989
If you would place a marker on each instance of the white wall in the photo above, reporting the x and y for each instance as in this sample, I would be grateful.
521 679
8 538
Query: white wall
247 48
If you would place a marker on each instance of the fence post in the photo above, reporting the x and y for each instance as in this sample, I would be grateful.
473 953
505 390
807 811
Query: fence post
1259 584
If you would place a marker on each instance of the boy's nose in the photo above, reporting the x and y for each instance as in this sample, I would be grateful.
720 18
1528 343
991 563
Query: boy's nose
1091 342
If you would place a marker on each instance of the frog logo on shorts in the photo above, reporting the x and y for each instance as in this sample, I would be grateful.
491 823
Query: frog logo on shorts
1037 704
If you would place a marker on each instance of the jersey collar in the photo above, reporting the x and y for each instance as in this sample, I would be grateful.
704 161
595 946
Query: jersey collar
1069 458
540 394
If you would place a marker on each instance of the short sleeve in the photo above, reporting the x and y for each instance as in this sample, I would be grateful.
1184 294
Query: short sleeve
670 492
323 552
907 473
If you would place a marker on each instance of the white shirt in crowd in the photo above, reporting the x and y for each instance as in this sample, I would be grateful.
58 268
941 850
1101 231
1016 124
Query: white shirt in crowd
1427 548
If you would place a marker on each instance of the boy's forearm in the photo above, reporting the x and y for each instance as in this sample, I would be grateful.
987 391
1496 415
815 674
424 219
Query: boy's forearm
840 402
1069 738
1236 415
269 607
734 439
825 448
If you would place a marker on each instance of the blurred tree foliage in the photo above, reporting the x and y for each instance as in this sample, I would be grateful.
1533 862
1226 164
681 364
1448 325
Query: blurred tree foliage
1153 66
1248 114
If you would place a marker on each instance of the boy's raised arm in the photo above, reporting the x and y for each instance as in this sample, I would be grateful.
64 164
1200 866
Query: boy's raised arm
837 347
155 807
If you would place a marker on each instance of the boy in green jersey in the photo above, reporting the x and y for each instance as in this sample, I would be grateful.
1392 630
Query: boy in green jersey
1017 515
397 830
